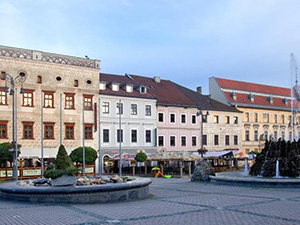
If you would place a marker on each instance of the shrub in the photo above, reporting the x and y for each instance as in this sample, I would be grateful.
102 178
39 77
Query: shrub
141 157
62 161
53 173
90 155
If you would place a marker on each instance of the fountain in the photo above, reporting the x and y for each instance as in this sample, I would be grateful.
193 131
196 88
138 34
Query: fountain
277 160
245 172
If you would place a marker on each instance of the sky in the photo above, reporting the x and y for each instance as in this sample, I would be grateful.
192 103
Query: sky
183 41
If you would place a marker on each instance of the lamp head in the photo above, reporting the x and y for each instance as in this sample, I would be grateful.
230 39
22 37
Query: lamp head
12 92
22 90
6 89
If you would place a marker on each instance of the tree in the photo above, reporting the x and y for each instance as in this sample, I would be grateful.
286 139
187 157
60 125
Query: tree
6 155
62 161
90 155
141 156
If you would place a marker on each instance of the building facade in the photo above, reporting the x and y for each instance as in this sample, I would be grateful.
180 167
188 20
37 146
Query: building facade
266 111
59 88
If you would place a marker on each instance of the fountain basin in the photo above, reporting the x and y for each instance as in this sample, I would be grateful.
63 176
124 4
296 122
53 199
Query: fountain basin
110 192
236 178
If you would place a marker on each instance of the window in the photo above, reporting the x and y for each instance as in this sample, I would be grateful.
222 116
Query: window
148 110
148 136
283 135
119 135
28 98
39 79
160 117
255 117
183 141
133 136
266 135
236 140
256 135
216 119
247 150
120 108
105 107
290 136
69 132
216 139
275 118
247 135
193 119
161 141
204 118
88 102
235 120
76 83
69 101
49 99
49 130
172 118
3 97
133 109
275 135
266 118
3 129
105 135
282 118
88 131
143 89
227 119
227 140
194 141
183 118
172 141
27 130
204 139
247 117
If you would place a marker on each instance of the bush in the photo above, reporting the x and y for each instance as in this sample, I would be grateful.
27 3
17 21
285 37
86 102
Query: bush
62 161
53 173
141 157
90 155
71 171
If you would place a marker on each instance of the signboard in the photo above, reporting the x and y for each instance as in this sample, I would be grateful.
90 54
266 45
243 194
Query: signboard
9 173
32 172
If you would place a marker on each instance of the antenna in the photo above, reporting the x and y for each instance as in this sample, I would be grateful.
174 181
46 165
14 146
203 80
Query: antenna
294 91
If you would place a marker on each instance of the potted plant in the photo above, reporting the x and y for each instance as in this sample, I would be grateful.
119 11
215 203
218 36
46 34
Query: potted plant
63 173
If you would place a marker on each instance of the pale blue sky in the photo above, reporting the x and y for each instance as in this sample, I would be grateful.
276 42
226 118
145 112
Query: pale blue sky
183 41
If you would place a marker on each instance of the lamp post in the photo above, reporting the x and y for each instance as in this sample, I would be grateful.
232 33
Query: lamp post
120 136
200 113
13 82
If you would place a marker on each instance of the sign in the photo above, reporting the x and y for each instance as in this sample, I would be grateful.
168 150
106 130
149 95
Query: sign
32 172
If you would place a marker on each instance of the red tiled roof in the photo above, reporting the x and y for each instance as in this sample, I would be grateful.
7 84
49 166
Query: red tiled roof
252 87
165 91
122 80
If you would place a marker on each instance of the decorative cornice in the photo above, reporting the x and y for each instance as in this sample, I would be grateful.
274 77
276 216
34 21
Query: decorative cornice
48 57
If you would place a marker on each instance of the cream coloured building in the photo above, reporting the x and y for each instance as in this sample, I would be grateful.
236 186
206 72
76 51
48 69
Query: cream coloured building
266 111
54 83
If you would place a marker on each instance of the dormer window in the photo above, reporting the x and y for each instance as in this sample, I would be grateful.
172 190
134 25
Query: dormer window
251 97
233 96
270 99
102 86
143 89
285 101
129 88
115 86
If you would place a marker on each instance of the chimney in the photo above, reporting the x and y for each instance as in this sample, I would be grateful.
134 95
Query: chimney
199 90
156 79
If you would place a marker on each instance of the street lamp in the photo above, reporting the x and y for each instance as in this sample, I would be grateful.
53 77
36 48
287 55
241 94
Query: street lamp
203 117
13 82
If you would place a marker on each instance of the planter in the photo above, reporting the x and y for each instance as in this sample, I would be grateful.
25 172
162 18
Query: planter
64 180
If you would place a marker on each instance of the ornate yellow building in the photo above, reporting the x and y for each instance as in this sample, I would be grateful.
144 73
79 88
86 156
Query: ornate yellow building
266 111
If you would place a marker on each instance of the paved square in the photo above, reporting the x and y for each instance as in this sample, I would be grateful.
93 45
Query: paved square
172 201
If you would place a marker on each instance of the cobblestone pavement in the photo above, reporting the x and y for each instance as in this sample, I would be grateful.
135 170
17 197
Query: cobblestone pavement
172 201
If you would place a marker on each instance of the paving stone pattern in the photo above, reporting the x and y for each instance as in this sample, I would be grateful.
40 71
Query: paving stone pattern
172 201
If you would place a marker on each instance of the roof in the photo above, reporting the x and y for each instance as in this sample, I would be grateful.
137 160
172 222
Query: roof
122 80
169 93
264 96
252 87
